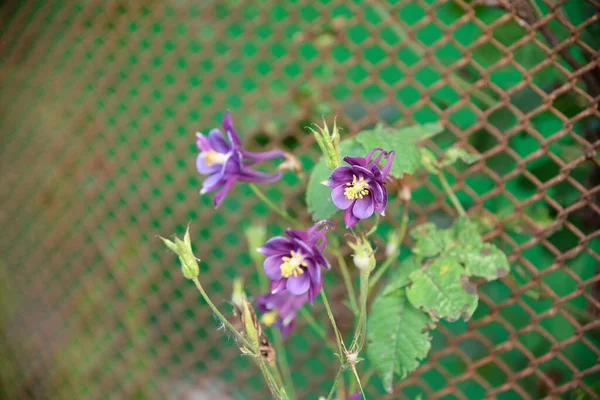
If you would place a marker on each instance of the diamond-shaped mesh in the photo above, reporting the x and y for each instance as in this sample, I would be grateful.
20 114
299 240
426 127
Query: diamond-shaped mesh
99 101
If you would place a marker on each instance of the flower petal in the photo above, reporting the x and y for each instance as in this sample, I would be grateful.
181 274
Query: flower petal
349 219
205 169
341 174
298 284
220 195
339 198
211 183
363 208
276 246
231 132
202 142
217 141
272 267
277 286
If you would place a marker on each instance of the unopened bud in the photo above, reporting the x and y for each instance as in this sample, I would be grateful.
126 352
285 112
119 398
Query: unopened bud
404 193
392 244
291 163
363 257
329 142
183 248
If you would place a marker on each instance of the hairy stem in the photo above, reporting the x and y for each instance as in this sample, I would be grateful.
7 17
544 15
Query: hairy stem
223 320
283 363
338 336
346 276
392 257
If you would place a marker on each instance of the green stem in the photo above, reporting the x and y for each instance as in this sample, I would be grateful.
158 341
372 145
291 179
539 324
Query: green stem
333 325
390 260
282 213
221 317
455 202
347 279
375 225
361 328
277 392
283 362
335 383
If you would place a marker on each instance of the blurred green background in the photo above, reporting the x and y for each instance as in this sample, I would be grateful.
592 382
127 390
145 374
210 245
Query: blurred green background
99 103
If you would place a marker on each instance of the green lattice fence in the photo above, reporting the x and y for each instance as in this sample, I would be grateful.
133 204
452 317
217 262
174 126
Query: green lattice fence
99 103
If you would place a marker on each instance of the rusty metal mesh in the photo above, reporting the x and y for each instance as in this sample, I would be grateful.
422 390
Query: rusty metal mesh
99 101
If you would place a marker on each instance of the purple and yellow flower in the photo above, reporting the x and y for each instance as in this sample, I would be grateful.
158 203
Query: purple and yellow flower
359 189
280 309
294 263
225 163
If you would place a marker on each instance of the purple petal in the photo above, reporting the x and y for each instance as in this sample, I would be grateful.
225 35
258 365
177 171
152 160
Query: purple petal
314 272
342 174
205 169
272 266
276 246
256 157
363 208
277 286
349 219
388 165
217 142
355 396
339 198
223 192
228 126
356 161
211 183
286 329
202 142
298 284
380 205
250 175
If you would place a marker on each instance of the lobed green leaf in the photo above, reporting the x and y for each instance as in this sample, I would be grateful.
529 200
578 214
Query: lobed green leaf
398 336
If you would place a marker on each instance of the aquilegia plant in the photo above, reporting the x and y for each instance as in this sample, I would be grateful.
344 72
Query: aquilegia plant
398 302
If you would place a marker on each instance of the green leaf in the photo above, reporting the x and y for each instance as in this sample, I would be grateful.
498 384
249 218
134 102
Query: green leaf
318 196
458 153
443 290
486 261
431 241
398 337
398 276
402 141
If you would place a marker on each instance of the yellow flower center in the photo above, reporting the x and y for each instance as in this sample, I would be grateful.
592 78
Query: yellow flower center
356 189
292 265
212 157
270 317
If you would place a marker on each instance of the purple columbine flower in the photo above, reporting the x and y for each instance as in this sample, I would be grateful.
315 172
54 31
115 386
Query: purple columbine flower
227 162
280 309
359 189
355 396
294 262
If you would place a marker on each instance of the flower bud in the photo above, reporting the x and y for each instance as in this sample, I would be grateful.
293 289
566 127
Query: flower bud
392 244
183 248
291 163
329 142
363 257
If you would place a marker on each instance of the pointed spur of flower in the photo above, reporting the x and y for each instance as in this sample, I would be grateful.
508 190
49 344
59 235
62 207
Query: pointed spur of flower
280 309
359 187
294 263
226 162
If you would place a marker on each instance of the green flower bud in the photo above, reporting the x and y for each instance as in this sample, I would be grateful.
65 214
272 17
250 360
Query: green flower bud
183 248
392 244
329 142
364 256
